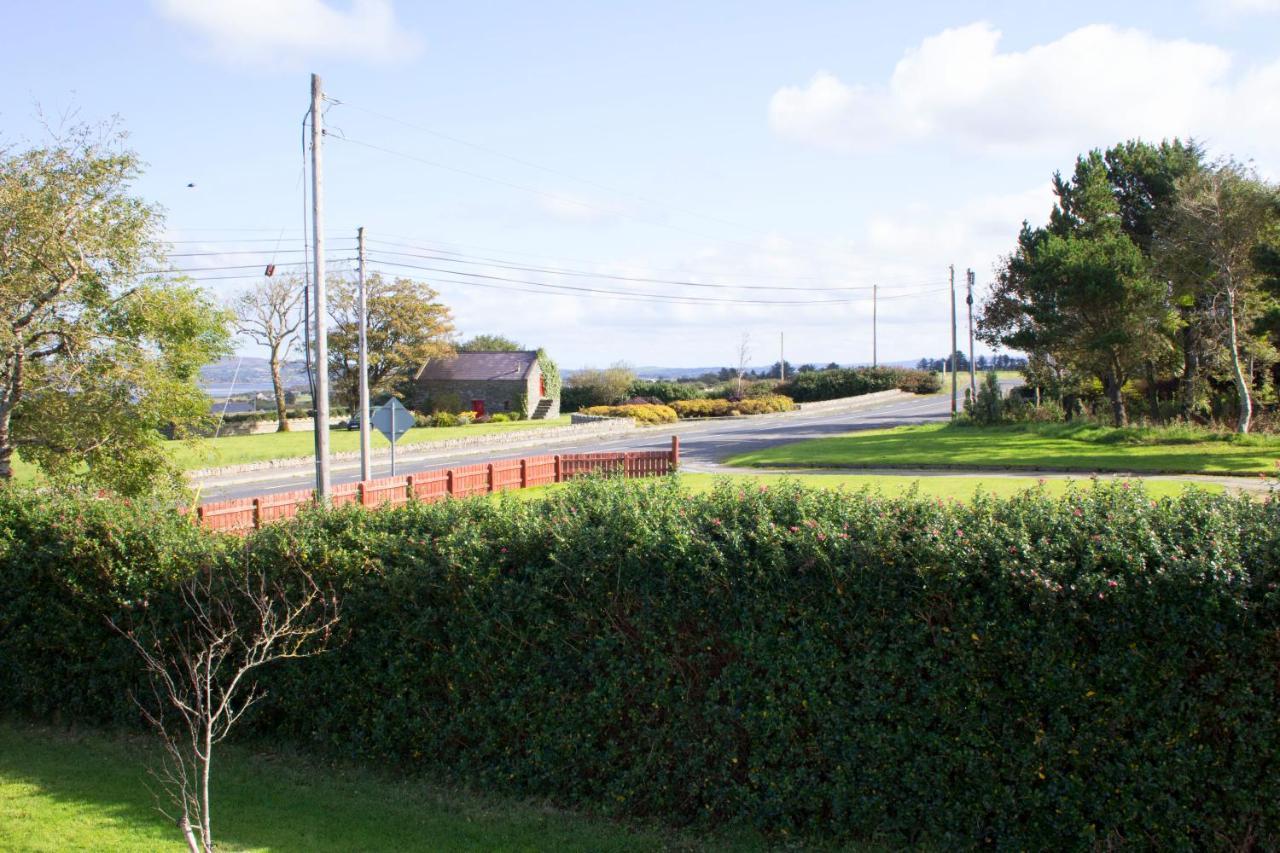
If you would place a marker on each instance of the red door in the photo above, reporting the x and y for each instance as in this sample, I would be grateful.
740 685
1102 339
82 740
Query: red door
542 385
477 406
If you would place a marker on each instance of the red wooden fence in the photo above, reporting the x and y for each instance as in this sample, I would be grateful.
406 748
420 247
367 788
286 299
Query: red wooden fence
245 514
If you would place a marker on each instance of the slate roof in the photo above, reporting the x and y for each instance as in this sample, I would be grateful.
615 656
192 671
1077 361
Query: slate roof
471 366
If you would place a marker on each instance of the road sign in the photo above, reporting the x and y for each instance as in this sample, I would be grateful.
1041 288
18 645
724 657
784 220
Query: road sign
392 420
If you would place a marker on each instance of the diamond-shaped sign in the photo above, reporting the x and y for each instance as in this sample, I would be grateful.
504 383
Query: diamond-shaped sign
392 419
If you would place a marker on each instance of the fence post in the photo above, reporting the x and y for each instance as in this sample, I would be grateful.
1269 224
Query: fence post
257 514
448 481
675 452
408 484
200 516
557 467
489 475
524 473
628 466
360 494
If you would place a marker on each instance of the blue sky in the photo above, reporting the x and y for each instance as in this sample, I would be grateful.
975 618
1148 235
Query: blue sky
771 145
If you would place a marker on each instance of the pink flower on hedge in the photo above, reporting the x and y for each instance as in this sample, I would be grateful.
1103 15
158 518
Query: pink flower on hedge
795 529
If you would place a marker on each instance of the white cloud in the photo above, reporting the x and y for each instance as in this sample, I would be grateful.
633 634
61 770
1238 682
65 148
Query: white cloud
1093 86
281 32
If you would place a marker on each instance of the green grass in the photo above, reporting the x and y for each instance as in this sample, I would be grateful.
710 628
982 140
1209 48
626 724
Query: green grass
959 488
87 791
1074 447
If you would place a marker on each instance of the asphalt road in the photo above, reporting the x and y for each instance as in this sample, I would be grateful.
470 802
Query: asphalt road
703 444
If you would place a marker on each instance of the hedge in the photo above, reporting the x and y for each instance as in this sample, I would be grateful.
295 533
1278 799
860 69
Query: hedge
1096 671
842 382
645 413
714 407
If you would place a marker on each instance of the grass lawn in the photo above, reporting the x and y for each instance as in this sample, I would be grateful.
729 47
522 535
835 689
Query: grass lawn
87 791
239 449
1075 447
960 488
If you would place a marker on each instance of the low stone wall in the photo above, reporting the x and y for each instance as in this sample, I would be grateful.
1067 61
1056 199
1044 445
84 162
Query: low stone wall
406 452
853 402
259 427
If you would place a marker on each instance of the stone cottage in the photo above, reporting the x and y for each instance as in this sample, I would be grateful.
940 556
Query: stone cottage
487 383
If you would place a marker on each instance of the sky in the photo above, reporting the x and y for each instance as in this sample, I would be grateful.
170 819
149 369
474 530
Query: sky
789 155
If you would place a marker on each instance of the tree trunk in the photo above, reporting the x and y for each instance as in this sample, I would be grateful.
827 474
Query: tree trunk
277 387
184 824
206 822
1113 387
9 398
1242 383
1190 370
1153 393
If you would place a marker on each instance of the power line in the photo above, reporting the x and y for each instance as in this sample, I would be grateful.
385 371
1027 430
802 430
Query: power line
632 293
492 262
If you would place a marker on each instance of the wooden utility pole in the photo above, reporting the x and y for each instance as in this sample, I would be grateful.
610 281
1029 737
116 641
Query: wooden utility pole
875 298
321 400
973 376
955 388
363 311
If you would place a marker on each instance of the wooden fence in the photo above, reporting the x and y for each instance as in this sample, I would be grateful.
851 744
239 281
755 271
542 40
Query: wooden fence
243 515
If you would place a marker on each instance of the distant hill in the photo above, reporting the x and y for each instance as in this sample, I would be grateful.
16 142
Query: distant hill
247 374
651 372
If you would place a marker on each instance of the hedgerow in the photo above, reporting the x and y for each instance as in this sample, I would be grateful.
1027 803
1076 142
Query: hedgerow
714 407
1097 671
834 384
645 413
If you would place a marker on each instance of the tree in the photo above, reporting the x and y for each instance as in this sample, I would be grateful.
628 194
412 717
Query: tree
268 314
96 355
489 343
1079 290
744 356
593 387
407 327
1209 246
201 663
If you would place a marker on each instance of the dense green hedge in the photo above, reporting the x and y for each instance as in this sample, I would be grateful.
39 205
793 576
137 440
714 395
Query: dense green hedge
1099 671
842 382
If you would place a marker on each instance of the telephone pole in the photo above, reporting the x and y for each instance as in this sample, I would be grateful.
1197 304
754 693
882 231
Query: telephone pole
782 356
955 388
875 298
321 400
362 310
973 377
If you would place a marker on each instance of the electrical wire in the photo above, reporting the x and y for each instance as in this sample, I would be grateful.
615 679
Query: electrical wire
491 262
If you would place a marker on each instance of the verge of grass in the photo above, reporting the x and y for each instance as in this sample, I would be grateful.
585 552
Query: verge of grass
1071 447
87 791
241 449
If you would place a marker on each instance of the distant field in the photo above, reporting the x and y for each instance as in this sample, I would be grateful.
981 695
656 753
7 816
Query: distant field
1075 447
84 791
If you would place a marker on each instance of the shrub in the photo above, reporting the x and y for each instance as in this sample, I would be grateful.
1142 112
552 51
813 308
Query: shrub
593 387
919 381
646 413
712 407
766 404
1092 672
500 418
665 392
838 383
444 419
466 417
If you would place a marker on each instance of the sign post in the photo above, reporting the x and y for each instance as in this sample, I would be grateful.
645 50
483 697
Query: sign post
392 420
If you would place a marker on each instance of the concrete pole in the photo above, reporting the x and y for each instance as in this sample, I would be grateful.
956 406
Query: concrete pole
362 310
320 307
875 299
973 376
951 357
782 356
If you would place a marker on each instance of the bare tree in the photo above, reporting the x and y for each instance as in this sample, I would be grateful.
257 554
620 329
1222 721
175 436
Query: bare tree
268 314
1206 248
202 669
744 356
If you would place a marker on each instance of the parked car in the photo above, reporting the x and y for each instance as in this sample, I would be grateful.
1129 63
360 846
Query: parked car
353 422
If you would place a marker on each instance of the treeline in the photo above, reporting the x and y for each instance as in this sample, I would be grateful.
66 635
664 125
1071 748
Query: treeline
960 362
618 385
1154 285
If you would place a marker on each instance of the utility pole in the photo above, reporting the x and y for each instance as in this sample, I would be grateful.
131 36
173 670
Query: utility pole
362 310
973 377
322 332
782 356
955 388
875 299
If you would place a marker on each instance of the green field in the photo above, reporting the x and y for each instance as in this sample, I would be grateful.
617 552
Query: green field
87 791
944 486
1068 447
